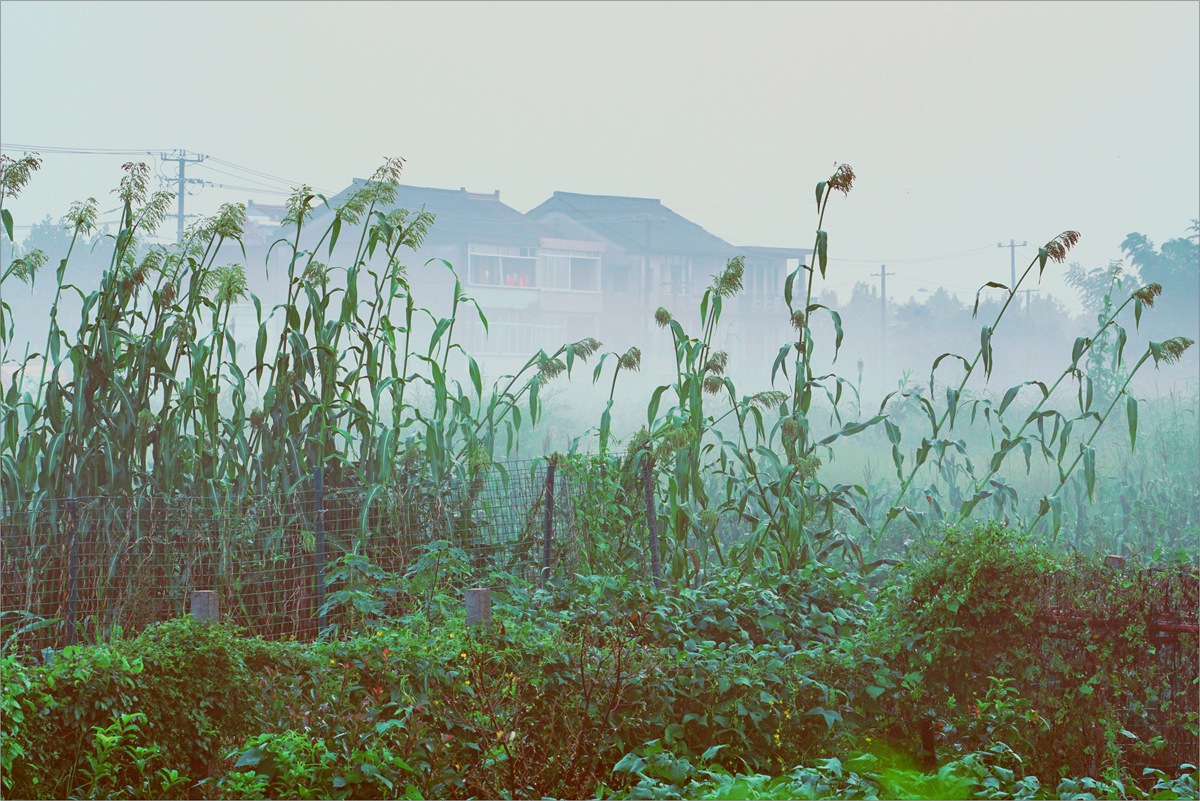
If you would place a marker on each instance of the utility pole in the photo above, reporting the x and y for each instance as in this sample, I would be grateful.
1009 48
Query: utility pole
1028 304
1012 254
182 159
882 275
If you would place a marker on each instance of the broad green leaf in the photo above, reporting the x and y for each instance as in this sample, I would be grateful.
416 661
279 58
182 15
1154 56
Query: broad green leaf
985 349
994 285
1131 415
822 250
1089 470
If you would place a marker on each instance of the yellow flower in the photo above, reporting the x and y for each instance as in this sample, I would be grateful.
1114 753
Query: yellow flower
379 634
468 682
499 735
333 661
463 655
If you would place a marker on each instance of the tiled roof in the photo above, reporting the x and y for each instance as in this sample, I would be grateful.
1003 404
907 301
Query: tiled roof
460 216
635 223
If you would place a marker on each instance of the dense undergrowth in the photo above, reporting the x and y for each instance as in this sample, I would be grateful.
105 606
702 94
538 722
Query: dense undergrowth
802 684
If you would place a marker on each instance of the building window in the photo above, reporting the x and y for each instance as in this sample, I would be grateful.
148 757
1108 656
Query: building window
510 332
573 270
675 275
494 265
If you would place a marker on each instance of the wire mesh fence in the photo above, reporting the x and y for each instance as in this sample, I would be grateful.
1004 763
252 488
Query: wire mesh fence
77 569
1095 616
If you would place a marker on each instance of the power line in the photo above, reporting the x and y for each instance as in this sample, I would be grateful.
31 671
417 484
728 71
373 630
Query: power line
83 151
286 181
100 151
241 177
253 189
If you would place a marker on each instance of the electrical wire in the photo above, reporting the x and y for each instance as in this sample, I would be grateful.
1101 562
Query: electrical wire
85 151
266 186
286 182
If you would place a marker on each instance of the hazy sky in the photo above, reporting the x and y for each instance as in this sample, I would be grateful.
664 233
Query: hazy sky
967 123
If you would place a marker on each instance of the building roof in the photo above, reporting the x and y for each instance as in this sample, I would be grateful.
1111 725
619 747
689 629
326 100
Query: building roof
260 211
636 224
460 216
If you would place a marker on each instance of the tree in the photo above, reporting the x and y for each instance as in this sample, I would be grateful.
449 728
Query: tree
1176 266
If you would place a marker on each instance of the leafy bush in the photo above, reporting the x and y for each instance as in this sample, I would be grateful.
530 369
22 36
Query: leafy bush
189 680
63 702
971 632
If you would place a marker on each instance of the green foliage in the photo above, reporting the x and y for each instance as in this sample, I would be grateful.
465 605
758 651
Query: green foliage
974 607
188 680
773 644
976 587
708 691
198 687
660 774
609 515
1173 265
13 705
293 764
117 768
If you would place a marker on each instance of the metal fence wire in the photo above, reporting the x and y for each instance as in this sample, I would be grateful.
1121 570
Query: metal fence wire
96 564
78 569
1154 626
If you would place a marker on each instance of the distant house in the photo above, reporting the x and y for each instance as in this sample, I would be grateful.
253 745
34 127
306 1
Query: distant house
655 257
263 223
537 289
575 266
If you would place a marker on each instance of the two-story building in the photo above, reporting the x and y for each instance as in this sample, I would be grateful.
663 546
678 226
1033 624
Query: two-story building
654 257
575 266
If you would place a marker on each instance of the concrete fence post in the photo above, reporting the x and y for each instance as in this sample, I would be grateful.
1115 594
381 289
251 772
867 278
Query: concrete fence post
205 606
479 606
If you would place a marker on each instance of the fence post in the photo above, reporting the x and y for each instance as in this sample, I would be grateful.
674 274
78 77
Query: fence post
652 521
548 524
72 571
320 545
479 606
205 606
